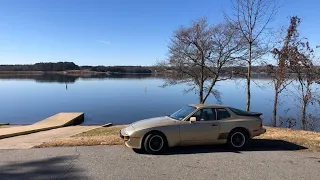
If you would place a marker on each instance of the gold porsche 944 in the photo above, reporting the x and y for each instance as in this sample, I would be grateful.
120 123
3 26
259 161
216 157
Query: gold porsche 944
196 124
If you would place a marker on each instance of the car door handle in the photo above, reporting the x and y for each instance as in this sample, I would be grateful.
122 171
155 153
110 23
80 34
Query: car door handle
214 124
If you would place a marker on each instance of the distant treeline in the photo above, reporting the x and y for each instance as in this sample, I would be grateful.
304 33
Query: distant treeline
65 66
237 70
256 69
59 66
119 69
68 66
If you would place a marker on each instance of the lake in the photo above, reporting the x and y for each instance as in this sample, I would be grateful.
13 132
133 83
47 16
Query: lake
122 99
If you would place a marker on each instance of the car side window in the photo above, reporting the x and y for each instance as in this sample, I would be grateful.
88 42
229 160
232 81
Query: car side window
206 114
223 113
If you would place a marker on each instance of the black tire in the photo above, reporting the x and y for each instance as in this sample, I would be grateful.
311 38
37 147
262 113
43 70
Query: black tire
238 139
155 143
139 151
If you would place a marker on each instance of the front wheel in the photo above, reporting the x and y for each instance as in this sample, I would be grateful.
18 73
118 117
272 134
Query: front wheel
155 143
138 151
238 139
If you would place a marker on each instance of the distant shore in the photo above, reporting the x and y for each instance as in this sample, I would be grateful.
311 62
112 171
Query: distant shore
93 74
68 72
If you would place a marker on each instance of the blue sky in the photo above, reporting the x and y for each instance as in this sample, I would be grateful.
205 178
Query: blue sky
118 32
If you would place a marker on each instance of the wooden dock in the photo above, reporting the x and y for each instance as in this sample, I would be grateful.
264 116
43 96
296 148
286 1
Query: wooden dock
56 121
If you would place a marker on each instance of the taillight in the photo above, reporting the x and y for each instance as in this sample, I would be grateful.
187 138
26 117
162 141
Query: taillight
261 124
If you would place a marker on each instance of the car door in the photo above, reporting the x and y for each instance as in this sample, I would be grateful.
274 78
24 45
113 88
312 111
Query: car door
225 125
203 131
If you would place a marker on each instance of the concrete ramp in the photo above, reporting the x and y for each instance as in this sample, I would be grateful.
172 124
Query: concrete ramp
56 121
30 140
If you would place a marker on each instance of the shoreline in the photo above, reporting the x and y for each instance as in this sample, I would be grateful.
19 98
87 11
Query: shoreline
95 74
112 124
69 73
274 139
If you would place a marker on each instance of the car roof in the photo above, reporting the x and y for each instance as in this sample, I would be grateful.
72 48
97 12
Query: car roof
208 106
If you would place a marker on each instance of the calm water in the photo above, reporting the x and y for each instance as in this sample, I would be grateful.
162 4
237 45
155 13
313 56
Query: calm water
121 100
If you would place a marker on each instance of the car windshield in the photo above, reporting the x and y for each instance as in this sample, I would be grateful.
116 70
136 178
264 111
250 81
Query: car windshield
182 113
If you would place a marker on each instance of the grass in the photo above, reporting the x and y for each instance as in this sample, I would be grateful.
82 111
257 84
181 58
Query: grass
4 126
308 139
102 131
98 136
110 136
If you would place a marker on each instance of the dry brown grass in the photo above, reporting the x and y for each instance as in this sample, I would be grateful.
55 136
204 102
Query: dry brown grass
110 136
308 139
102 131
83 141
98 136
7 126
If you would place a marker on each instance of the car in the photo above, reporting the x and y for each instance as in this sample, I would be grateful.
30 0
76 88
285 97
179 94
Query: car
195 124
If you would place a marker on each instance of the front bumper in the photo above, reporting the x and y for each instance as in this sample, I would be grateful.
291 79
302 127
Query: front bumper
124 135
130 142
121 135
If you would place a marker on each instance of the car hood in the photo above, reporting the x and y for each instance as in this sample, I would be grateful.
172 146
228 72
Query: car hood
153 122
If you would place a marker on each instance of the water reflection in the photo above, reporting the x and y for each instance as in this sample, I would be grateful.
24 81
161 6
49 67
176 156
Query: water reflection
65 78
124 98
42 78
72 78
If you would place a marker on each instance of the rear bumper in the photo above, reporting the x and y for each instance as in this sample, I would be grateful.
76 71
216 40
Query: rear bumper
258 132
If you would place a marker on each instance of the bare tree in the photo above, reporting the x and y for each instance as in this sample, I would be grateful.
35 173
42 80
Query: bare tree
279 74
306 76
301 57
251 18
198 53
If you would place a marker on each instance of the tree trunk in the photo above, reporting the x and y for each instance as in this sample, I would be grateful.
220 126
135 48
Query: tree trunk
249 78
303 118
306 100
201 94
201 81
275 106
304 104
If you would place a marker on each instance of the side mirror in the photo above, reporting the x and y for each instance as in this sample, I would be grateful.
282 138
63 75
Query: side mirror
193 119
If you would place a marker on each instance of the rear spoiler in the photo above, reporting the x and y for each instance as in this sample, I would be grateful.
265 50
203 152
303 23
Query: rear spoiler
254 114
245 113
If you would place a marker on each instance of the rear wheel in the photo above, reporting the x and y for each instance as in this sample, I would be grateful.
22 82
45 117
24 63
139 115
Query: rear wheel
238 139
155 143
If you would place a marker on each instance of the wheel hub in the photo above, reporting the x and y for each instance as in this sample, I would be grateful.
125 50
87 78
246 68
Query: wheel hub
156 143
238 139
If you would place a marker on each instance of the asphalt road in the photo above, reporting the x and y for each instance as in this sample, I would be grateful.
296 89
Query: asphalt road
119 162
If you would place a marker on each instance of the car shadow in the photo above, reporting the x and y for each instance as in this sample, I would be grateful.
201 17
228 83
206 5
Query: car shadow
49 168
255 145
